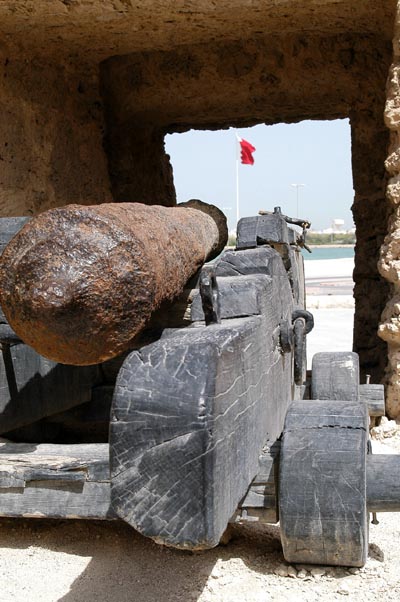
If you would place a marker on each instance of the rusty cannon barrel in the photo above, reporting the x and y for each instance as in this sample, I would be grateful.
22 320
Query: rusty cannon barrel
77 283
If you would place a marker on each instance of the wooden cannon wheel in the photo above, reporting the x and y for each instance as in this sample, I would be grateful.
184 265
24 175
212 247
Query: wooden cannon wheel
322 483
335 375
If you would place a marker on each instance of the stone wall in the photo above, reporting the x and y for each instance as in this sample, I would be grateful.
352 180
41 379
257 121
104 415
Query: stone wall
51 130
265 79
370 141
97 29
269 79
389 264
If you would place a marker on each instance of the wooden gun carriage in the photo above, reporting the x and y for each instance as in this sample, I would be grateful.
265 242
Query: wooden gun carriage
210 419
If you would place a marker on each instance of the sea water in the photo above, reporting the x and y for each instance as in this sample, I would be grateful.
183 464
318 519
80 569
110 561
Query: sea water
323 252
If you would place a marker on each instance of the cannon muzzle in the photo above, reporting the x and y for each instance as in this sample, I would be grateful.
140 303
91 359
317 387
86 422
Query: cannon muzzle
78 283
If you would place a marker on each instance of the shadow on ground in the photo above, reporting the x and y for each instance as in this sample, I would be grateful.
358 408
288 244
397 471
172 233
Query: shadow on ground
125 567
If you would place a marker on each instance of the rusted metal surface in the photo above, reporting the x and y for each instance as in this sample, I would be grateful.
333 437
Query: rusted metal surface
77 283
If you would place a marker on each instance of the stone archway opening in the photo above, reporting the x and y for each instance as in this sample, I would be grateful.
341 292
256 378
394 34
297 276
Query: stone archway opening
306 169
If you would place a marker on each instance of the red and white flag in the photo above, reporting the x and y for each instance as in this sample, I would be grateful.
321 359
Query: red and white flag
246 152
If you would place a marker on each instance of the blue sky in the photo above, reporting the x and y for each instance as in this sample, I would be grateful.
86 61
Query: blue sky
314 153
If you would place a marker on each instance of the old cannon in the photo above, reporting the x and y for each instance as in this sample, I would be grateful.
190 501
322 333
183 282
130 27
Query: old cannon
208 417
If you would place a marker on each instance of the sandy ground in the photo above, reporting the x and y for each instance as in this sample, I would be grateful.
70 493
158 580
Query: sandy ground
330 299
322 269
48 561
333 331
73 561
329 283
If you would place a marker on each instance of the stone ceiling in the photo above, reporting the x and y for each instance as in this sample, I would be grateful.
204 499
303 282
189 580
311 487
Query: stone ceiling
96 29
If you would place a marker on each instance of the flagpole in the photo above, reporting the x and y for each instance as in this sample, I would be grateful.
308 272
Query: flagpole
246 157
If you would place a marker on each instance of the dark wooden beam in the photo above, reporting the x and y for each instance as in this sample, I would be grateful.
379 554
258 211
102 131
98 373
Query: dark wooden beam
33 387
260 504
55 481
335 375
191 414
239 296
383 483
374 397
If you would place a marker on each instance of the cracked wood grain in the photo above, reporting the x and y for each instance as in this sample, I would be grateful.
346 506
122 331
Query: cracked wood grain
55 481
322 505
383 483
335 375
190 416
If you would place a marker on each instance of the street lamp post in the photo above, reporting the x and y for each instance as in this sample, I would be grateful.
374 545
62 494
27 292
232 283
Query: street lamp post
297 186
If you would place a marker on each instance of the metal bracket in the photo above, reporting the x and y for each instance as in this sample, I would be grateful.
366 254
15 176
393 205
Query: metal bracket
296 221
210 295
303 323
297 329
307 316
300 357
